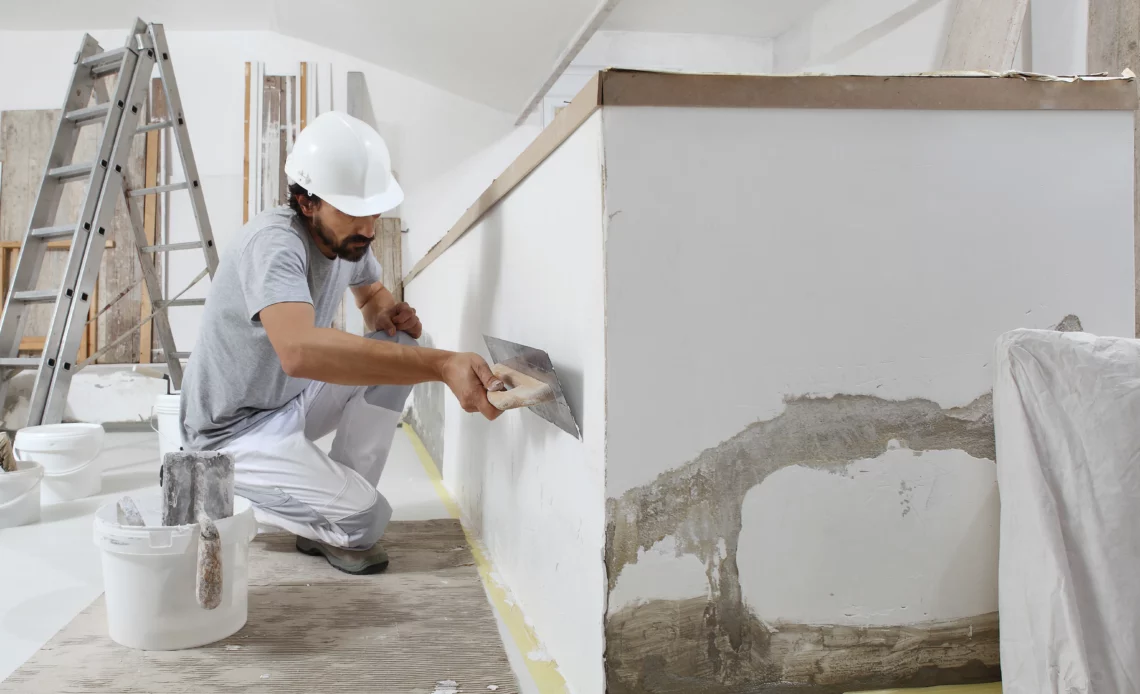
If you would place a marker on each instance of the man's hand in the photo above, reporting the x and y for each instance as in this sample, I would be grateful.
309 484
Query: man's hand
469 377
399 317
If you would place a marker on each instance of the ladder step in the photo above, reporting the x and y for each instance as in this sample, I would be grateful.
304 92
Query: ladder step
140 192
154 126
21 362
182 302
85 115
105 63
111 56
36 296
53 232
177 355
71 171
172 247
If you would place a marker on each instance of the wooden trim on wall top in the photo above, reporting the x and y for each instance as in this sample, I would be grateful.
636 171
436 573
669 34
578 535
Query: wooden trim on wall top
962 91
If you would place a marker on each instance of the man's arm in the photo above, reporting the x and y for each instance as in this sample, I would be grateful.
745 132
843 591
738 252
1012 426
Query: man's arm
334 356
381 311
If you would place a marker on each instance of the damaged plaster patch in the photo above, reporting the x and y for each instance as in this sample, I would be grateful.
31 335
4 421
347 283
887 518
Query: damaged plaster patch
700 505
426 413
661 573
662 647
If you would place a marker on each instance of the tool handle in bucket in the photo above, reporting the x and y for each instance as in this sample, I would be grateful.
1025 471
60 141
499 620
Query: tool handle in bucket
208 586
525 390
32 487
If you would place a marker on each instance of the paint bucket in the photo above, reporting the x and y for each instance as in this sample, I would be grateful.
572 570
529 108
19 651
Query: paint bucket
166 422
68 454
20 494
149 575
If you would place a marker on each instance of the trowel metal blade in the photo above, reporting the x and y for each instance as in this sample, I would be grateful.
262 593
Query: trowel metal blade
536 363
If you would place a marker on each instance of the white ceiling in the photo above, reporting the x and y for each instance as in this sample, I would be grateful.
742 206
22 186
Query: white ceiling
751 18
493 51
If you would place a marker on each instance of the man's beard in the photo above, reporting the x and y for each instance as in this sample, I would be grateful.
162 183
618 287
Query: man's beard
351 249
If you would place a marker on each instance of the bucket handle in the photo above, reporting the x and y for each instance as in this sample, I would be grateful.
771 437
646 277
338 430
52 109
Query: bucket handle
62 473
24 494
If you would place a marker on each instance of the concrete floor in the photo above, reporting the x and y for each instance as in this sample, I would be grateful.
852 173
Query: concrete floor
51 570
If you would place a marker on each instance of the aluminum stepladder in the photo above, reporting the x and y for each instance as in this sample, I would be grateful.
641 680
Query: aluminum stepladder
119 110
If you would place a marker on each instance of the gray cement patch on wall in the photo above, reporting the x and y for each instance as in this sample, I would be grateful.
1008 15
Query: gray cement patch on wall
699 504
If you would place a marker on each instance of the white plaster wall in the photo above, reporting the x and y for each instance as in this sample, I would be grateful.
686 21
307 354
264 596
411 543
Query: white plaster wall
898 36
428 130
776 253
531 272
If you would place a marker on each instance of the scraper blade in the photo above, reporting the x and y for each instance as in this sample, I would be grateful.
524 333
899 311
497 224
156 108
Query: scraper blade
535 364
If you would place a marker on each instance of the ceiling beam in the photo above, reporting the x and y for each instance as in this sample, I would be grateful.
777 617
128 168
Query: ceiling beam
595 22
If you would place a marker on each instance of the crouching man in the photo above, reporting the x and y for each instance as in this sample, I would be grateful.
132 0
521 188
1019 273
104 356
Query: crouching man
268 376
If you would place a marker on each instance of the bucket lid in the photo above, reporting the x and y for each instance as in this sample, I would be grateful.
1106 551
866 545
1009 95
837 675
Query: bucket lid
52 435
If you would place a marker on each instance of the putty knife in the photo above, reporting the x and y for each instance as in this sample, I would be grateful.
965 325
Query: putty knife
532 383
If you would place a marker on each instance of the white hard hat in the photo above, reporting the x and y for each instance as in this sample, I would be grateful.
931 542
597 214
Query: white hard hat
344 161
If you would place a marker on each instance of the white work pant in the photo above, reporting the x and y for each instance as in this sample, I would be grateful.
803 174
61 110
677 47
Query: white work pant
295 486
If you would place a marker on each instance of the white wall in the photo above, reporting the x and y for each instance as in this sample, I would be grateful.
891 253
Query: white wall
875 253
900 36
531 272
428 130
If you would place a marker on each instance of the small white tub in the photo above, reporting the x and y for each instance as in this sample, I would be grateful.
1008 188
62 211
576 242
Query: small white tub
167 425
68 454
20 494
149 575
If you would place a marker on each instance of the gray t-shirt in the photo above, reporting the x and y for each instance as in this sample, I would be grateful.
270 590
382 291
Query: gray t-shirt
234 379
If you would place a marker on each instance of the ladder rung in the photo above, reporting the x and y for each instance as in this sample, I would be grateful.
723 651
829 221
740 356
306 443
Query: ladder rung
154 126
172 247
53 232
140 192
36 296
182 302
21 362
71 171
90 113
113 55
177 355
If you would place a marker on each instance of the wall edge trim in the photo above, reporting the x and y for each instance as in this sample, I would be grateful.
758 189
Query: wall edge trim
565 124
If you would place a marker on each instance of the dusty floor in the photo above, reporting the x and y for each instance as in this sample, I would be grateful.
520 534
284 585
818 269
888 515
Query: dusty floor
51 570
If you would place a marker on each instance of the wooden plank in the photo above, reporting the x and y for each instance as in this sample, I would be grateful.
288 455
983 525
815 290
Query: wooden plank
26 139
960 92
304 96
150 227
563 126
271 145
245 158
984 35
1113 46
594 22
387 245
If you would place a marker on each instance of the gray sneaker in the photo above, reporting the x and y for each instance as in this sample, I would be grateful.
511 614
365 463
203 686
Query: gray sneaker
351 561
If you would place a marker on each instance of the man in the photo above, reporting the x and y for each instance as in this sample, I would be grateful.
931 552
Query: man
268 376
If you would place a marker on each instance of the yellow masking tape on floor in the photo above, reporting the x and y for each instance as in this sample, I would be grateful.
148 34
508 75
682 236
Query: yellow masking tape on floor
544 673
993 688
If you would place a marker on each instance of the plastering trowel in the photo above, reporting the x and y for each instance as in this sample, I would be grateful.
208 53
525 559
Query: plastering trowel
532 383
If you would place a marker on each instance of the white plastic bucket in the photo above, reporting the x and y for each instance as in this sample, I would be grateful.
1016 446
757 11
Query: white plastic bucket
68 453
20 494
166 424
149 575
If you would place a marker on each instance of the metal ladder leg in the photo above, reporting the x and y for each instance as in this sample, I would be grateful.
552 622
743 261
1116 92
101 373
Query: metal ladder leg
91 65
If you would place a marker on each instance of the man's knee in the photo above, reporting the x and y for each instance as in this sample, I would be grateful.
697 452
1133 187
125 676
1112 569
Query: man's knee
400 337
365 528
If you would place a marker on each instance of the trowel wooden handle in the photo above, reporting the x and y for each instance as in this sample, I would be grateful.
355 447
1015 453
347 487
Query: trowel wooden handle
524 390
